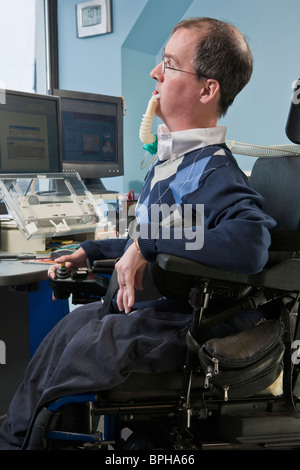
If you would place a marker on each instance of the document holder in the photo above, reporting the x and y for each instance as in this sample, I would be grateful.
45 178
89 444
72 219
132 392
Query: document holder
47 205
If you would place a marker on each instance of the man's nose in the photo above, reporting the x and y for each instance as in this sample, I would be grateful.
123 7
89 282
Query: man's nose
156 73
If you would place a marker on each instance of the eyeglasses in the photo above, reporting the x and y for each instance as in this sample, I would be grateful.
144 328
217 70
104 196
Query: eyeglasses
164 67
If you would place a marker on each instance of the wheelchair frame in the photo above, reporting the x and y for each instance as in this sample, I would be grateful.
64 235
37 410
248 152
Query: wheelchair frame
174 411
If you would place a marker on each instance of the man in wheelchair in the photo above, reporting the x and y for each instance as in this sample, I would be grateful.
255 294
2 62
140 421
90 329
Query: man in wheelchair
206 63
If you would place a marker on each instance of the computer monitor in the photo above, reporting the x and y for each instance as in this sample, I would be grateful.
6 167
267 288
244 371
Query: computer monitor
29 133
91 136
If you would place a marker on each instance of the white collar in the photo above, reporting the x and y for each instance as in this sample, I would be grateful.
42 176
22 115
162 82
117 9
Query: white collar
176 144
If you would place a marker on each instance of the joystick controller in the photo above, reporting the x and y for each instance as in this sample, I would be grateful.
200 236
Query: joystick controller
83 284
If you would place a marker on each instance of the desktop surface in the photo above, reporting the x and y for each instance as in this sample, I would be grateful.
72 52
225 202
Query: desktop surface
16 272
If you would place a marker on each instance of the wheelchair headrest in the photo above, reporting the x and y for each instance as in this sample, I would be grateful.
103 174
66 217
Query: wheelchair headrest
293 122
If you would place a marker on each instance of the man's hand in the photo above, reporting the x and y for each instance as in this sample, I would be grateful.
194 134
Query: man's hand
130 270
75 260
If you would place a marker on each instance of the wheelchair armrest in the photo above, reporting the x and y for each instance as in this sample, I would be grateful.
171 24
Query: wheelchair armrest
191 268
174 275
105 266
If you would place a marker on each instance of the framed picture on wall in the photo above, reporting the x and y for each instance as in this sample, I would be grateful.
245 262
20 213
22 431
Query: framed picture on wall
93 18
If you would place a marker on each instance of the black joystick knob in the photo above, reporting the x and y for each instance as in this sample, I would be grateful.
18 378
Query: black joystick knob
62 272
59 289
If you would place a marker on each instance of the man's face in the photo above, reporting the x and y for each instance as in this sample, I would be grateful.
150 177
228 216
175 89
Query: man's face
178 105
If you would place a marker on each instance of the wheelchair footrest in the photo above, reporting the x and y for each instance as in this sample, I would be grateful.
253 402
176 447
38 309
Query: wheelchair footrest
72 436
78 440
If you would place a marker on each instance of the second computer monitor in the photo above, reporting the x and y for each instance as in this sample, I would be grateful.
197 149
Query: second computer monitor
91 136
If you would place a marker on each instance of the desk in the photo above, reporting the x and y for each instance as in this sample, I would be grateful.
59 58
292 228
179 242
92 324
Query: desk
21 273
27 313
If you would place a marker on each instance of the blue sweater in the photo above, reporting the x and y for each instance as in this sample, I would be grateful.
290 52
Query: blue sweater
233 233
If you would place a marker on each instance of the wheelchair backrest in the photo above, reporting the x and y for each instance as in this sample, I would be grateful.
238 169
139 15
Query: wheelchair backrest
277 179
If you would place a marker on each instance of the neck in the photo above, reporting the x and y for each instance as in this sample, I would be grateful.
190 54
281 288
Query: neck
194 125
196 122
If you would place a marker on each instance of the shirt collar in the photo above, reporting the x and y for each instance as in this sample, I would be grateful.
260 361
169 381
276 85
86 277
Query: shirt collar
176 144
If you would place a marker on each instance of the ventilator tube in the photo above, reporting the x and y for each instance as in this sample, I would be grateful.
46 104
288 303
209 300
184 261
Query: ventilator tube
146 136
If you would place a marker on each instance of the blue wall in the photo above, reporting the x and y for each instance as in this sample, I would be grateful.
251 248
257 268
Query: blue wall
119 64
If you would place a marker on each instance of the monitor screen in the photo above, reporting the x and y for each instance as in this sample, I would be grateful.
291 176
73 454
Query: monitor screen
29 133
91 136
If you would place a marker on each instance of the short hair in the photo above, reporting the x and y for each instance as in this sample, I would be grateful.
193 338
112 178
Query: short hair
222 53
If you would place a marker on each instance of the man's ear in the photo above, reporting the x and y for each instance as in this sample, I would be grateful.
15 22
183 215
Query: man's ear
209 90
